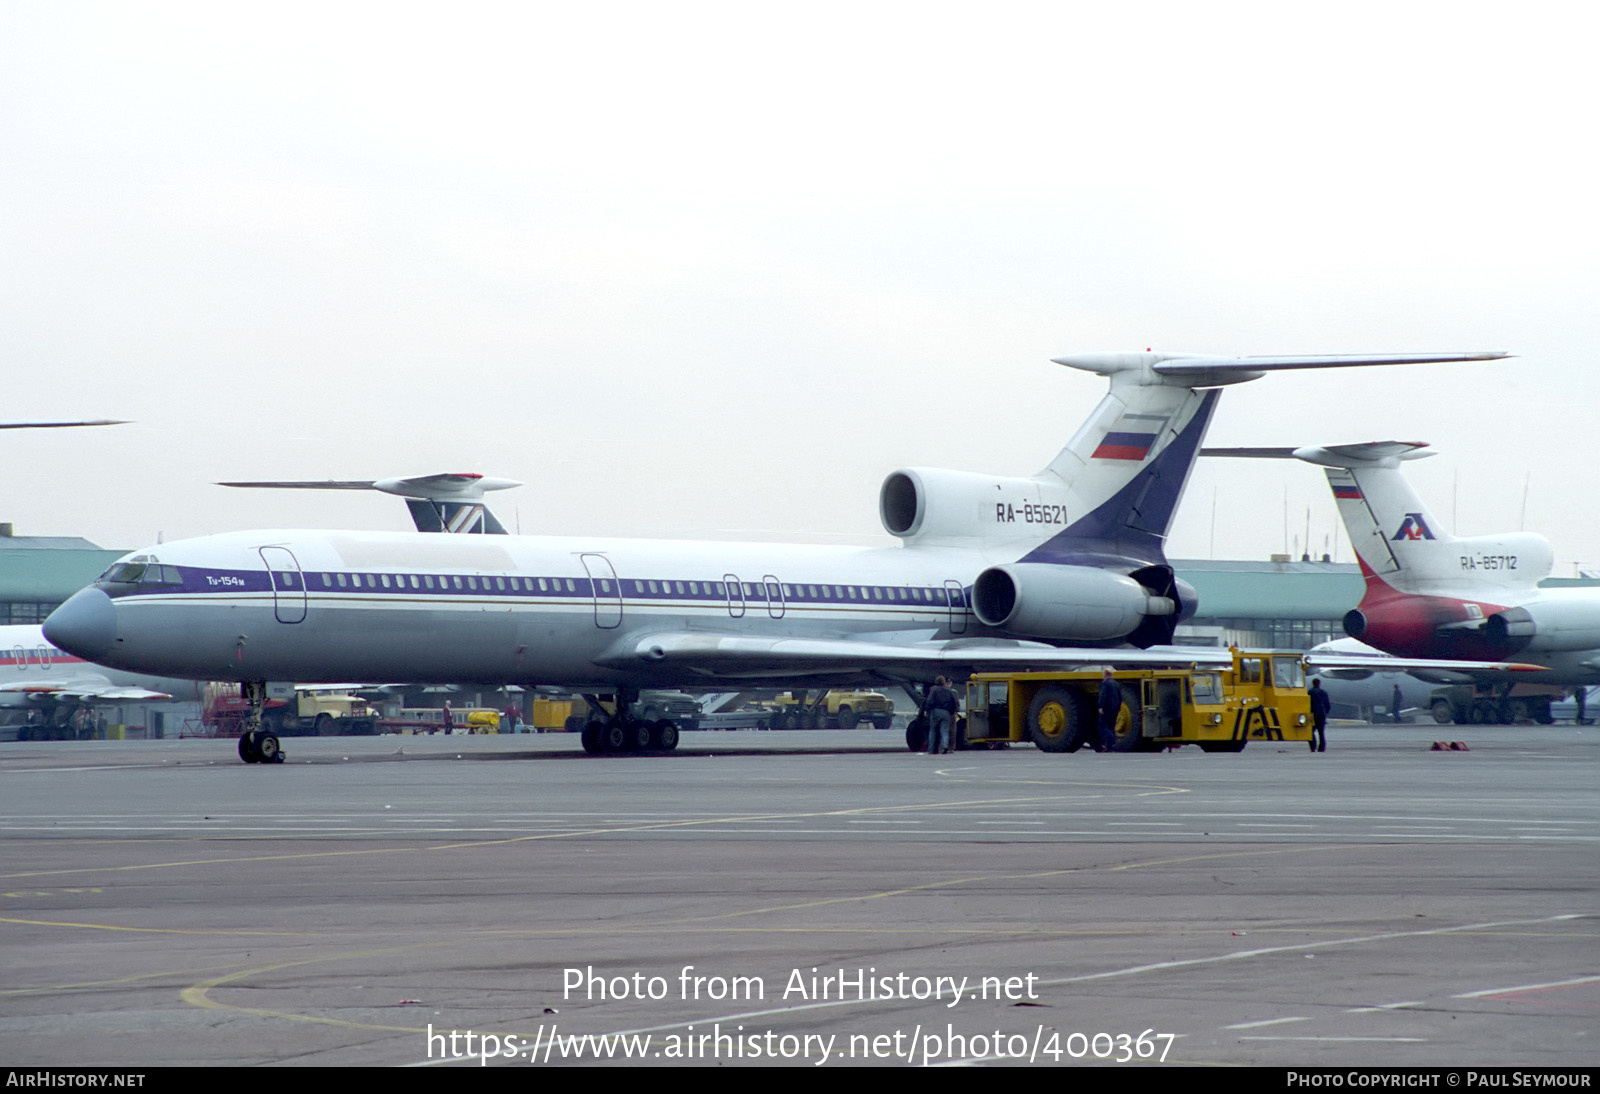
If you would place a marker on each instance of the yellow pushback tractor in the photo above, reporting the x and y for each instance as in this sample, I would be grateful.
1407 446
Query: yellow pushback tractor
1261 697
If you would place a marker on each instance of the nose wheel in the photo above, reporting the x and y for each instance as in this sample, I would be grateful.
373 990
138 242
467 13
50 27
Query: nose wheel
256 745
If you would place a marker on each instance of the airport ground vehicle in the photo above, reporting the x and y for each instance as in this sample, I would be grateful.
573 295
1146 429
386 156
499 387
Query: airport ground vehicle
676 706
302 715
1262 697
835 709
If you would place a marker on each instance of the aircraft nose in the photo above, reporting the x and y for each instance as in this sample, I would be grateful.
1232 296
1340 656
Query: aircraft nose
86 625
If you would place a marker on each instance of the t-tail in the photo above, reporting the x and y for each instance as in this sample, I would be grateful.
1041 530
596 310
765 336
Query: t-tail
449 502
1078 549
1426 589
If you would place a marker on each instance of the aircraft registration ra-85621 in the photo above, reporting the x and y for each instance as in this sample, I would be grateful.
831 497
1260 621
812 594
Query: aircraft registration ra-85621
1430 594
992 572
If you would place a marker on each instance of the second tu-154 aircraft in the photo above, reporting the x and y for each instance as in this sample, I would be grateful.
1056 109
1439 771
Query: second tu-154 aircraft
992 572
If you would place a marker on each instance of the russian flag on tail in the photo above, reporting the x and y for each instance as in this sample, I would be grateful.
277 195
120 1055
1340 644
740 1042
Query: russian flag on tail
1125 446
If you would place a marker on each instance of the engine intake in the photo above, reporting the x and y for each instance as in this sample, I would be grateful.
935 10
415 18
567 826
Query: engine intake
932 504
1073 602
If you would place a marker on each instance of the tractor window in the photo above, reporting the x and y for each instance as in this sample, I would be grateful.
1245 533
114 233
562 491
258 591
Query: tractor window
1287 673
1207 687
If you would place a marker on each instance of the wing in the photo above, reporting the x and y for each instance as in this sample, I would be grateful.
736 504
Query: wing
742 657
90 688
1384 663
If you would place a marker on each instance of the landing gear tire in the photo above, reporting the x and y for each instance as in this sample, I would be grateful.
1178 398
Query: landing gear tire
591 737
267 749
638 736
247 749
663 736
613 738
917 734
1057 719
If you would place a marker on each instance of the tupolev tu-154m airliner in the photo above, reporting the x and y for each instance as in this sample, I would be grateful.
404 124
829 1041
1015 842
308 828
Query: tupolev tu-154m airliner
992 572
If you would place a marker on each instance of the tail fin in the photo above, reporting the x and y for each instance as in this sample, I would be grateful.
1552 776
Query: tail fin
1399 542
1124 471
1390 528
453 516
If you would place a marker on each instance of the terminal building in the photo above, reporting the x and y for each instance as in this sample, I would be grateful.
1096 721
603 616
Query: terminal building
39 572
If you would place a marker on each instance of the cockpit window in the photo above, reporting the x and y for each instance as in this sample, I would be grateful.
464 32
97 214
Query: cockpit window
142 570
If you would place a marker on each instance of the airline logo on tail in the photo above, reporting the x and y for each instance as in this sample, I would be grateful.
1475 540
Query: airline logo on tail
1413 527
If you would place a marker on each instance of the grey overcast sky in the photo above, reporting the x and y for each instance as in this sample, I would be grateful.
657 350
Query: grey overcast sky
713 270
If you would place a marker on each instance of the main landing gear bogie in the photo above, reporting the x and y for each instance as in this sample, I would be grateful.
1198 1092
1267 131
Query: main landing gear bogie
608 734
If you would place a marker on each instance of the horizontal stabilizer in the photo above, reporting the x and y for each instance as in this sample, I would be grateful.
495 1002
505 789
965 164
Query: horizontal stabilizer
467 486
438 503
1205 370
62 425
1186 365
1368 454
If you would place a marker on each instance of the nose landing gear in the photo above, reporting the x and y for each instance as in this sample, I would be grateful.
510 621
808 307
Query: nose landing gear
256 745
